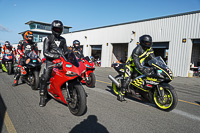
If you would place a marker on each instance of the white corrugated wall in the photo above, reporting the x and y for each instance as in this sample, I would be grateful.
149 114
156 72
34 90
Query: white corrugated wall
168 29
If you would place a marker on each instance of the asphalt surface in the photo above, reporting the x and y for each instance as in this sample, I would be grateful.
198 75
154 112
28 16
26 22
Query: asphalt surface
20 111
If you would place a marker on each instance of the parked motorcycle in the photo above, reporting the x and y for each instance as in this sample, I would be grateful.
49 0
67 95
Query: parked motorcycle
65 85
155 88
86 69
8 62
30 72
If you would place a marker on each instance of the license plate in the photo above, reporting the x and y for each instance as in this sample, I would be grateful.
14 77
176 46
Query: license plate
34 60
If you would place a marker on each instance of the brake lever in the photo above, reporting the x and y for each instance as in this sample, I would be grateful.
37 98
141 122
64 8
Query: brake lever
52 65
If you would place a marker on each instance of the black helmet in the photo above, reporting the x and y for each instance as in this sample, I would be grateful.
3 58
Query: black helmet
76 44
146 41
57 28
7 44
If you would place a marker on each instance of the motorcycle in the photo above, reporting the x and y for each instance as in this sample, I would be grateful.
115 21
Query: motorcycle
154 88
65 85
30 72
87 68
8 62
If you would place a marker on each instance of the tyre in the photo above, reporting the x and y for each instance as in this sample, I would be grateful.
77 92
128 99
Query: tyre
115 89
170 98
91 80
77 105
23 80
35 82
9 68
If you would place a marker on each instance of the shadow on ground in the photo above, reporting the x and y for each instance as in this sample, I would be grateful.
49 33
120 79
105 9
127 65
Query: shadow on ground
2 112
89 125
144 101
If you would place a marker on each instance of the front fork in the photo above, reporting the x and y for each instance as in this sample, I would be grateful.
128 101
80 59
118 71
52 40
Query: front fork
161 92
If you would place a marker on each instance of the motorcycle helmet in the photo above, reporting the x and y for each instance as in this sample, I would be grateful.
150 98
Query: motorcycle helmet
76 44
57 28
7 44
28 36
146 41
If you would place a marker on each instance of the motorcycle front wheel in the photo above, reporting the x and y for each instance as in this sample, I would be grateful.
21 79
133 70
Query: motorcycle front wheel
77 105
169 101
9 68
35 81
91 81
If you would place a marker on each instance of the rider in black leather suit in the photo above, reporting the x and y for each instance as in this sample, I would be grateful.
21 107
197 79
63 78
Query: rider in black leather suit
51 43
77 50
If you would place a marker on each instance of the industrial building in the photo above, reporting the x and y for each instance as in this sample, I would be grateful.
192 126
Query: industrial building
176 38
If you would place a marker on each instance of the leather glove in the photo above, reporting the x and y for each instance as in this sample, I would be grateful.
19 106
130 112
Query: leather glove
57 56
148 71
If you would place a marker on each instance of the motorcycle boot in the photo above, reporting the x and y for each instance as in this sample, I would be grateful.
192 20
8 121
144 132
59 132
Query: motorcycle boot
16 77
124 84
43 92
42 96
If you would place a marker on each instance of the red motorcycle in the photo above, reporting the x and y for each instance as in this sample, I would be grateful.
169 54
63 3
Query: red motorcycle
65 84
86 69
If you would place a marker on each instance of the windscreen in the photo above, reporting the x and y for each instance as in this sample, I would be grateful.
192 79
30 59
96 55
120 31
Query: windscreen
87 58
7 51
158 61
72 59
32 55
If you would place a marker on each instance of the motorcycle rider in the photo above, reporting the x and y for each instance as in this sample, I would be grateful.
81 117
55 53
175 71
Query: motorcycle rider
51 43
23 48
135 64
6 48
77 50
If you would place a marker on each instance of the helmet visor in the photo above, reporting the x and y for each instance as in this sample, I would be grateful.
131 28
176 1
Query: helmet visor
148 44
58 30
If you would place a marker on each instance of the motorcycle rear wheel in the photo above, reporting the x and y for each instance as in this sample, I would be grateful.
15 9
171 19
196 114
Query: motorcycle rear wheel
115 89
92 80
77 105
170 99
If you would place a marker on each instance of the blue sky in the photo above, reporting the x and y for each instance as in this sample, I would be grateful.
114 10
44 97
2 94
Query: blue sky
83 14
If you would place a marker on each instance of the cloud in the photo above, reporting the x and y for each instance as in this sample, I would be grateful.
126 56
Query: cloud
4 29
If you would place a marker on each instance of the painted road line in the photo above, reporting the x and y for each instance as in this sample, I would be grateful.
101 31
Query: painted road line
178 99
103 82
188 102
176 111
191 116
9 125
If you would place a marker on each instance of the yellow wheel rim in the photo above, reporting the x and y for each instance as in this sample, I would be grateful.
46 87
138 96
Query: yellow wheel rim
166 98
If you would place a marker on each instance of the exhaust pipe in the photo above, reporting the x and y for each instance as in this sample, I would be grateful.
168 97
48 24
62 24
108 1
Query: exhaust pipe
114 81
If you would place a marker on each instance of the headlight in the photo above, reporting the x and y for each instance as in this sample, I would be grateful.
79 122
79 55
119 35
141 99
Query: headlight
70 73
69 66
88 65
159 71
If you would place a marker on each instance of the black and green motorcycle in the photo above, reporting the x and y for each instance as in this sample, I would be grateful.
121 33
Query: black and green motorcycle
154 88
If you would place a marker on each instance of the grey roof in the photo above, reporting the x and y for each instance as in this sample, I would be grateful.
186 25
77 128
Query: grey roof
175 15
29 22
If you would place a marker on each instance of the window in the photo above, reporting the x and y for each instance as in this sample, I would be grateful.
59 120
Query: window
35 37
66 30
38 26
32 26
